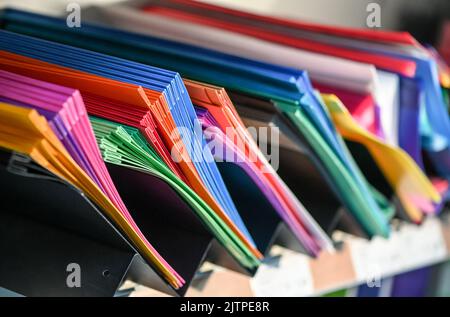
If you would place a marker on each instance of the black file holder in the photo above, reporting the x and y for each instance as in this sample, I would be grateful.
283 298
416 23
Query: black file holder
60 215
48 224
375 176
187 243
258 215
168 222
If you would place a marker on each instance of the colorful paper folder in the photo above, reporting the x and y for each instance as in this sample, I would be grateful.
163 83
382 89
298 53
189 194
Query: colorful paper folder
295 97
174 132
188 27
125 146
100 98
66 113
346 76
197 163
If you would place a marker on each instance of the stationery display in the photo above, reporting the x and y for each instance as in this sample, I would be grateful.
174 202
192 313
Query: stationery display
163 134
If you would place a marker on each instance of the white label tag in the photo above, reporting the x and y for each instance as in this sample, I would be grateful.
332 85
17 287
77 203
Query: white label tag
408 248
288 274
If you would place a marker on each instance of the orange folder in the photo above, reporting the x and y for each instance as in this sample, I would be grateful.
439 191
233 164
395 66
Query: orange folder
100 94
216 101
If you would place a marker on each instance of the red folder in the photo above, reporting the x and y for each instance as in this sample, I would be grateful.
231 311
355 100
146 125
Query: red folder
396 65
380 36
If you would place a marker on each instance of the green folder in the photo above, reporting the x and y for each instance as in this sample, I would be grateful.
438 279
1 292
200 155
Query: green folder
125 146
348 181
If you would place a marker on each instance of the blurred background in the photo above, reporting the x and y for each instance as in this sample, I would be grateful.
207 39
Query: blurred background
424 19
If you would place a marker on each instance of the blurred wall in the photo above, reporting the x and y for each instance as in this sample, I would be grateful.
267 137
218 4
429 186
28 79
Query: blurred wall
421 17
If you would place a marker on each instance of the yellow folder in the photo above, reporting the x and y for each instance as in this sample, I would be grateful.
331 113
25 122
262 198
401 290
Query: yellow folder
24 130
412 187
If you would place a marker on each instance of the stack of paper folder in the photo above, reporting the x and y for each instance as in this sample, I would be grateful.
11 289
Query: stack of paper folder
174 131
290 90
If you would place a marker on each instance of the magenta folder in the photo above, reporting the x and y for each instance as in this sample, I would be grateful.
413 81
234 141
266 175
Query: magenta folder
64 109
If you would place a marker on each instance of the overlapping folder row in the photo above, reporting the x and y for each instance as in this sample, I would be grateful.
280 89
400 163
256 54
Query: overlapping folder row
180 90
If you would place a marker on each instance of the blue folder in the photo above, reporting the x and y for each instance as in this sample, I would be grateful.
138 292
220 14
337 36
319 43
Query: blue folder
167 82
434 119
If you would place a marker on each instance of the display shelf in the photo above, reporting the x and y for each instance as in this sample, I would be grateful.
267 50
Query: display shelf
358 261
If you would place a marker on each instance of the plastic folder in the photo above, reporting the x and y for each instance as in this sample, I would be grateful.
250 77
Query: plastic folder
222 123
125 146
289 88
414 190
103 94
25 131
